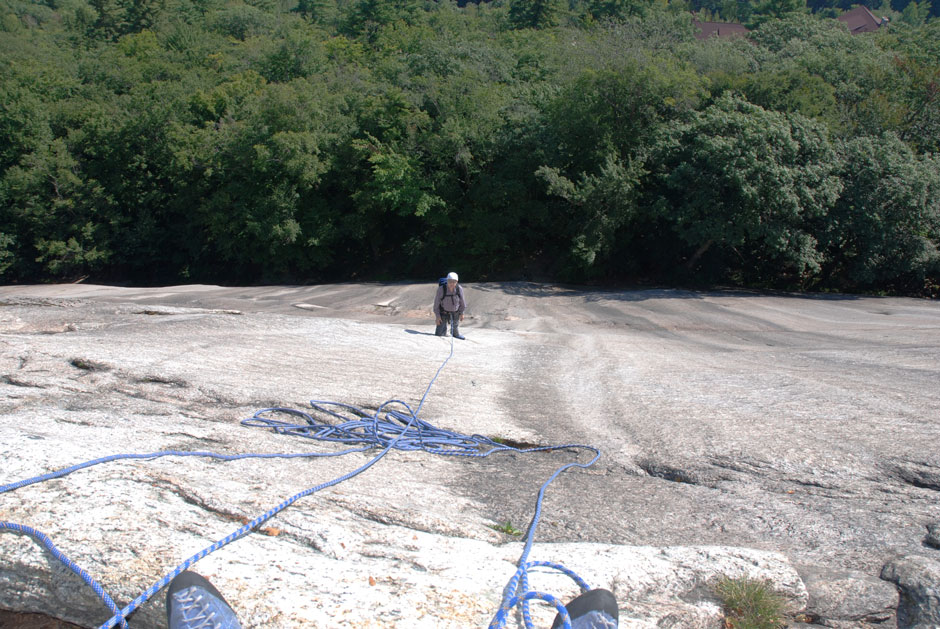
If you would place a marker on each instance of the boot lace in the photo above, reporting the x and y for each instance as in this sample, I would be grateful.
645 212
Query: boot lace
195 610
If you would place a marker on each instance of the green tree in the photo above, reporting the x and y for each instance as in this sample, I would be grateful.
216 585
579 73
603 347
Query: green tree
916 13
536 14
24 122
777 9
366 18
114 18
617 109
861 74
884 232
615 9
603 203
297 54
600 128
273 140
254 177
912 84
396 182
317 11
55 213
915 91
110 19
7 252
242 21
143 14
736 11
792 90
748 186
798 34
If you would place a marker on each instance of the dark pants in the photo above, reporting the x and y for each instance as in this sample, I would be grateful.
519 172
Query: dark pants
454 319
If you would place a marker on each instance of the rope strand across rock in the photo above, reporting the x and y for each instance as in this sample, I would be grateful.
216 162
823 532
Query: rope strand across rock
393 425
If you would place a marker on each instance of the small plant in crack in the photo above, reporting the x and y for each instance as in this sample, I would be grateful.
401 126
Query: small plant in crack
514 443
507 528
174 382
750 603
88 365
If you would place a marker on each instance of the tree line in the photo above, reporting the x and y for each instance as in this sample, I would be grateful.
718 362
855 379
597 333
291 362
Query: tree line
155 141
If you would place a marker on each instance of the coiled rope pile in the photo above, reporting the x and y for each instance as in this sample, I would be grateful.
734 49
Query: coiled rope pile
394 425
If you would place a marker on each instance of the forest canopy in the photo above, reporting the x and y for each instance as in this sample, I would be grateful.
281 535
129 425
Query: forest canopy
165 141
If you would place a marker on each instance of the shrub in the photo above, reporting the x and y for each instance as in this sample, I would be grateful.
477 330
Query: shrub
750 603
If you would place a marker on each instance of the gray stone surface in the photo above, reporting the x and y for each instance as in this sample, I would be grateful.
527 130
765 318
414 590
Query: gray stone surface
933 535
798 427
846 598
918 578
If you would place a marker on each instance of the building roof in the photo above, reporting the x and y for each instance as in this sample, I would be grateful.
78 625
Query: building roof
861 20
719 29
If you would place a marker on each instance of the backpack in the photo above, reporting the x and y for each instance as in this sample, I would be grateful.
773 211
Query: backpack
443 282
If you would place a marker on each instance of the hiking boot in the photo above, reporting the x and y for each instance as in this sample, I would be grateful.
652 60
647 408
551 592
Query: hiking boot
596 609
460 336
193 603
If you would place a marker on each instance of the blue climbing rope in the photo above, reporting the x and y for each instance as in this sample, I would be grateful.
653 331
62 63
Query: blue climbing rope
58 554
394 425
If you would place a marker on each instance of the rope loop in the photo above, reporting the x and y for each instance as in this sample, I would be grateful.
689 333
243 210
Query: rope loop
394 425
